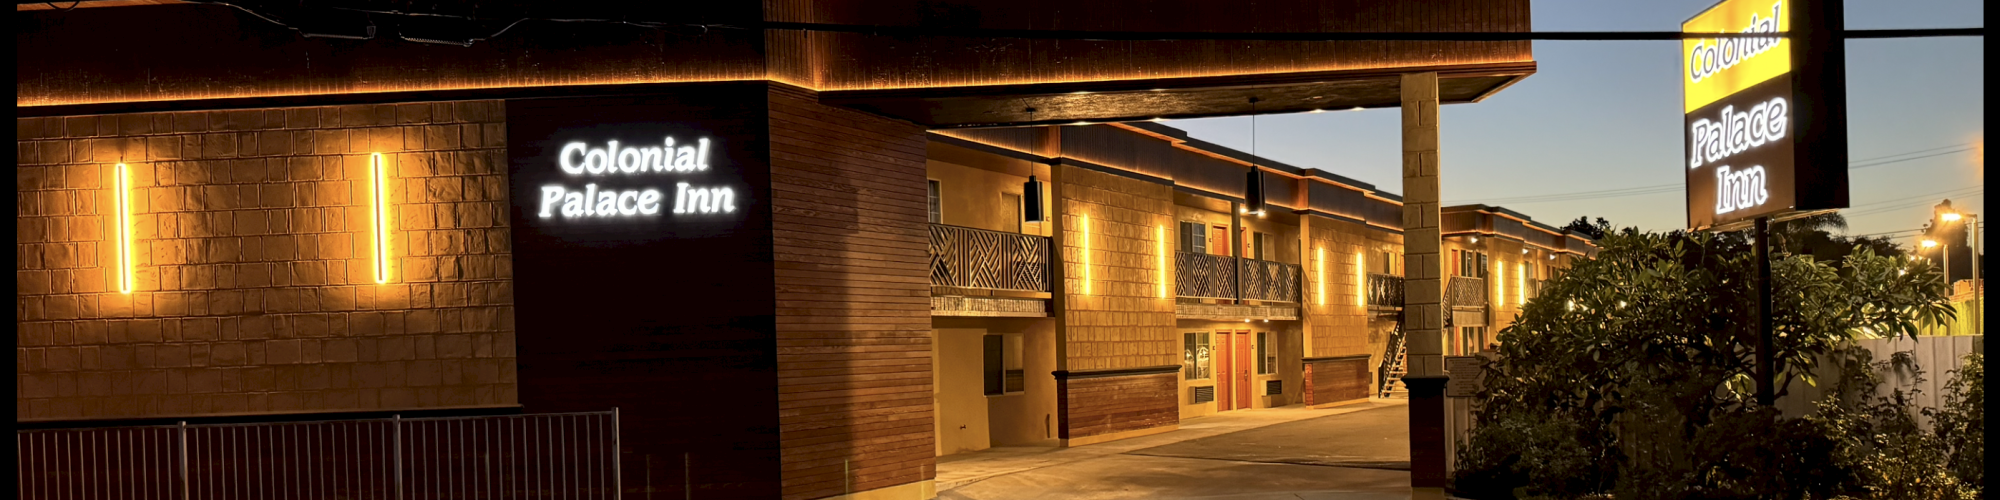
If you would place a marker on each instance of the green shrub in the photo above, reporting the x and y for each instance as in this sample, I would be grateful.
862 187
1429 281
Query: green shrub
1630 375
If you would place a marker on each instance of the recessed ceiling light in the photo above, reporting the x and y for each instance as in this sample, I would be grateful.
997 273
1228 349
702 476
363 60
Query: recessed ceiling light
1319 111
1356 108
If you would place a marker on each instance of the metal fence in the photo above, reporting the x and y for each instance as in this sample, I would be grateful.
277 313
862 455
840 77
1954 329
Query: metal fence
1465 292
559 455
1269 281
1204 276
976 258
1385 290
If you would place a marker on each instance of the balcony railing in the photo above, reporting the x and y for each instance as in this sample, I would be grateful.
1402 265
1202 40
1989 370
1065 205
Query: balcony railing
1465 292
1385 290
1200 275
1270 281
1204 276
976 258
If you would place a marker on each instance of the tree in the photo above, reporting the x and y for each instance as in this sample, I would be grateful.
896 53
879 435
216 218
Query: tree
1632 372
1583 226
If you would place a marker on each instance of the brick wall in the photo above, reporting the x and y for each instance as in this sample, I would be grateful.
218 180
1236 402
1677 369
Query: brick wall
853 299
1104 405
1121 322
254 288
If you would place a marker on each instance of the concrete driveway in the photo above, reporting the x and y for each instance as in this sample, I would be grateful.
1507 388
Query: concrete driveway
1359 451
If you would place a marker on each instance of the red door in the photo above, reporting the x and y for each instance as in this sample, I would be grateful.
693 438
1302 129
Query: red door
1244 368
1225 371
1233 369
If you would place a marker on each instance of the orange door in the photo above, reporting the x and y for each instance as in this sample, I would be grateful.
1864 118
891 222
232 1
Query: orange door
1218 241
1225 371
1244 368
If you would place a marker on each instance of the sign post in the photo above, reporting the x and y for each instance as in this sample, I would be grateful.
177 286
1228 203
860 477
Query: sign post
1766 128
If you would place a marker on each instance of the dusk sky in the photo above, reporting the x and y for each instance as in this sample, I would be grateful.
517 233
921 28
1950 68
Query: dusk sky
1604 119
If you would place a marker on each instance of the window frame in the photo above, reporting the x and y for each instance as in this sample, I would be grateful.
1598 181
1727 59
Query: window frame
1198 360
1267 358
934 201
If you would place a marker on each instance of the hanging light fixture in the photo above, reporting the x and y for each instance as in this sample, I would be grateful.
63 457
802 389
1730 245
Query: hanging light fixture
1031 200
1253 184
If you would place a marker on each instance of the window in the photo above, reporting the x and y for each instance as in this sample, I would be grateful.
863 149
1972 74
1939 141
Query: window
1470 264
1267 356
1261 247
1194 237
1011 203
1003 370
1195 358
936 198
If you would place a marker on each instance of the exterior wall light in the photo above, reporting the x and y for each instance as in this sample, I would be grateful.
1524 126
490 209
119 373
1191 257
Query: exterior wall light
1160 256
124 188
1360 281
379 205
1085 224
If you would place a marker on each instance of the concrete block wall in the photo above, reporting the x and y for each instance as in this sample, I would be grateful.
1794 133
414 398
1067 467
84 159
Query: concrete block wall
254 266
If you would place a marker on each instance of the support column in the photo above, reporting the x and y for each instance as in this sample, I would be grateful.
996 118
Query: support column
1423 295
1423 311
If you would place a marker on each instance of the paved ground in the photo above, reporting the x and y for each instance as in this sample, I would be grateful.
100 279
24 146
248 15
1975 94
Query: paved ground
1355 452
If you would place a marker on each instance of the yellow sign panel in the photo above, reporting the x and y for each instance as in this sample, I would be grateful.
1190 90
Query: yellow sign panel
1714 68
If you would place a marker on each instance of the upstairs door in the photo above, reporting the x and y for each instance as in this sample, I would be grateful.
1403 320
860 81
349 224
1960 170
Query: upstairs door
1218 240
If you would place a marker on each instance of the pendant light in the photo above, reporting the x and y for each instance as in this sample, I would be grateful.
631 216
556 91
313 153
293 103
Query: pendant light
1031 192
1253 184
1031 200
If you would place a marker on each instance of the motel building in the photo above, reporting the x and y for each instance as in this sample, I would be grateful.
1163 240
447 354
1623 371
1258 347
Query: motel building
364 254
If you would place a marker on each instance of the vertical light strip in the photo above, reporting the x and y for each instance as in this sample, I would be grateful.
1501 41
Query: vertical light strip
1521 283
1319 274
1360 281
1086 253
1160 242
124 185
379 187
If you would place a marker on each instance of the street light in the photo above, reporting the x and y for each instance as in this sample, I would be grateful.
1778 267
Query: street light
1979 323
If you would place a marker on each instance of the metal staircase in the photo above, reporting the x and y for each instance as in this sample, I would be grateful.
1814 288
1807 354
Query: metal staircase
1396 359
1395 364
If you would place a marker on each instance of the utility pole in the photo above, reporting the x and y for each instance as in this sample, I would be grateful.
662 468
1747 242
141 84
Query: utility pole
1766 393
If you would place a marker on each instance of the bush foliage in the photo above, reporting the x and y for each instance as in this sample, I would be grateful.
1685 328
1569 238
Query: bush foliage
1631 375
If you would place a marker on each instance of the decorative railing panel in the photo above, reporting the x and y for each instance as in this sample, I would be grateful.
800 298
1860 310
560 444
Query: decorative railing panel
568 455
1269 281
1204 276
1465 292
976 258
1385 290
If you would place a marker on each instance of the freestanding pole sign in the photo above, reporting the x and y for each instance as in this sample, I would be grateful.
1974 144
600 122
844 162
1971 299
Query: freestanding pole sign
1766 127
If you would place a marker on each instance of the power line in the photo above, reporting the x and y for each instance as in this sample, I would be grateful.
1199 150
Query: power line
1668 188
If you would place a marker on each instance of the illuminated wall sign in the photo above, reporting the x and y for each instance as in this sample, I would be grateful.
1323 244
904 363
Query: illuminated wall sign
1741 129
650 162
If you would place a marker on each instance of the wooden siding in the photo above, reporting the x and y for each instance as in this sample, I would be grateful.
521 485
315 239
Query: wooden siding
853 317
872 62
1337 380
1104 405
